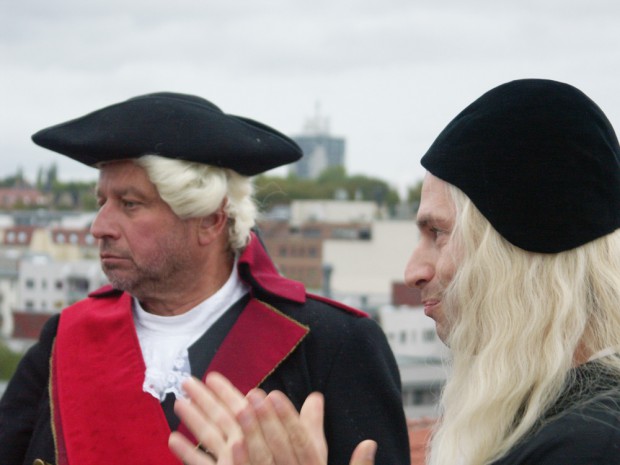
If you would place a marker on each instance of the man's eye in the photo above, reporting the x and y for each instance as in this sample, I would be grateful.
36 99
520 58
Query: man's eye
129 204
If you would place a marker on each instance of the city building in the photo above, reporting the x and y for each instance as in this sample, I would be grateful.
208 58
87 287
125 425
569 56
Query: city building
346 249
44 287
321 150
364 270
47 286
61 235
48 260
9 274
20 197
297 251
421 357
334 211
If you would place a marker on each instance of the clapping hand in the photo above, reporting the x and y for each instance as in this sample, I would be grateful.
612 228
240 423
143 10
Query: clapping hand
257 429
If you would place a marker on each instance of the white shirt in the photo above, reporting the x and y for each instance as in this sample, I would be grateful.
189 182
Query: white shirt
164 340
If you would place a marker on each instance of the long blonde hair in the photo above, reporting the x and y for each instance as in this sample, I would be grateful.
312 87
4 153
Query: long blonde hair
195 189
517 320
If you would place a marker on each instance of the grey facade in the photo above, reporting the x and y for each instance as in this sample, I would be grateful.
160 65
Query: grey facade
321 151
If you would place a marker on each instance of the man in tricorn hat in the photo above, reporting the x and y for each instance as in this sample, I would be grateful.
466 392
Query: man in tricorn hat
192 291
518 263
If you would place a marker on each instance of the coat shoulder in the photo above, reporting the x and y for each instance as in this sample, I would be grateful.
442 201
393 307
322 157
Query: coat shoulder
337 305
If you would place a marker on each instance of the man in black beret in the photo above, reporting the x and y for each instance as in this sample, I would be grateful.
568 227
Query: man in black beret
192 291
518 263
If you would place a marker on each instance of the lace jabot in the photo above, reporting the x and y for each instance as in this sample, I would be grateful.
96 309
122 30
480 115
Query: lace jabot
160 381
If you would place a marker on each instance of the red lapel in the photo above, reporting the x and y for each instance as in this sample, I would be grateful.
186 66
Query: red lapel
260 340
100 411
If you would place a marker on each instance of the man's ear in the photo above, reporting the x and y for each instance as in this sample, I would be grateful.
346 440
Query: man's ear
212 226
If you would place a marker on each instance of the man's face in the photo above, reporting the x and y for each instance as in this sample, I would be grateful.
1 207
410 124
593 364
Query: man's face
433 262
144 247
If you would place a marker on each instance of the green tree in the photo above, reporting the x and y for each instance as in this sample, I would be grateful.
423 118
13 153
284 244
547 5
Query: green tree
332 175
39 184
15 180
8 361
414 193
272 190
73 195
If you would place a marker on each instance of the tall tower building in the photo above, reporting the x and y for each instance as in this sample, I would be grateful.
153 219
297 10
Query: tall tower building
321 150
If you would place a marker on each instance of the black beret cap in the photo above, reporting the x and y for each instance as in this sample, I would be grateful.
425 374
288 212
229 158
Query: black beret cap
539 159
171 125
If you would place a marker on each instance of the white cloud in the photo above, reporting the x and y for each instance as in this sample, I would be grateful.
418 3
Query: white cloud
390 74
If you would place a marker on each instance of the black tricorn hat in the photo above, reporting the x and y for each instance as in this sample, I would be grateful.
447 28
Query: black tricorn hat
171 125
539 159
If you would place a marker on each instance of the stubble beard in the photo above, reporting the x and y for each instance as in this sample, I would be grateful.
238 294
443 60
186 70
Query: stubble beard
154 275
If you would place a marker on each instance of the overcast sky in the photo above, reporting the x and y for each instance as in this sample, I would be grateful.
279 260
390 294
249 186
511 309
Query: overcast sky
389 74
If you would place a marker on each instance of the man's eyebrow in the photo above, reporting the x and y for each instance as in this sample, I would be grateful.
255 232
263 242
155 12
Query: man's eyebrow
129 190
429 219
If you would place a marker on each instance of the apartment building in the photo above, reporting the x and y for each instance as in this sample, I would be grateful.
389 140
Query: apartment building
48 286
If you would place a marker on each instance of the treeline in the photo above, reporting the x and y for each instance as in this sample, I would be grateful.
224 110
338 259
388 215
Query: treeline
72 195
333 183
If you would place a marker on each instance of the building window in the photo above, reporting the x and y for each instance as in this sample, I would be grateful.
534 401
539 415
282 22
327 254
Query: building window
426 395
405 396
29 305
403 337
78 285
365 234
30 283
311 232
58 284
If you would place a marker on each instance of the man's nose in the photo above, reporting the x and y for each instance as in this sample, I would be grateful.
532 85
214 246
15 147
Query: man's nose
104 224
420 268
